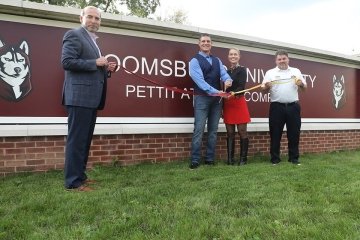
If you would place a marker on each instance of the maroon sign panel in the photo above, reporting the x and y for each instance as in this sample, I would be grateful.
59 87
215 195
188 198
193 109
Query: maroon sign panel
31 77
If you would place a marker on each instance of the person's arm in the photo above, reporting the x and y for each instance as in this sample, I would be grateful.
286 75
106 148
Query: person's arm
300 81
266 83
198 77
224 76
301 84
71 51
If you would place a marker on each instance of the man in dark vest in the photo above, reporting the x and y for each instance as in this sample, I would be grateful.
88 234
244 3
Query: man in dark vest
207 72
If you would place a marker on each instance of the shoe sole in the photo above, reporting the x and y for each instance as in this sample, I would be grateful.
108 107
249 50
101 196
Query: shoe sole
82 188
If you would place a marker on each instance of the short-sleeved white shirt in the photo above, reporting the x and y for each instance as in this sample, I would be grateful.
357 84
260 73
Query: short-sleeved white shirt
285 90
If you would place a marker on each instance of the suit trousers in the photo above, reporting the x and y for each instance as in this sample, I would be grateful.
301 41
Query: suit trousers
81 124
281 114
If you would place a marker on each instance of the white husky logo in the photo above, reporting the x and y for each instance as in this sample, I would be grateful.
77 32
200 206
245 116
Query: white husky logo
14 71
338 92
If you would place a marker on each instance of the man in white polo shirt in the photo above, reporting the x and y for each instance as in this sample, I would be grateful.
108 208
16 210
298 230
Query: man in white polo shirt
283 83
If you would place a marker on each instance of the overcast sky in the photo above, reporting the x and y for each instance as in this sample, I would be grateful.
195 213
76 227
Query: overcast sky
332 25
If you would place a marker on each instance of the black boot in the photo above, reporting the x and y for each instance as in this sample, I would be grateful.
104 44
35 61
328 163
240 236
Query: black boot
230 150
244 146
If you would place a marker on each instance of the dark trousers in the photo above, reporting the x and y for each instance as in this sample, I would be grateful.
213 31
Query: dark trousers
81 124
279 115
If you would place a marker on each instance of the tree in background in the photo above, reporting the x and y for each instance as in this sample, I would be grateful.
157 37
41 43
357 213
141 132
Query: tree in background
179 16
140 8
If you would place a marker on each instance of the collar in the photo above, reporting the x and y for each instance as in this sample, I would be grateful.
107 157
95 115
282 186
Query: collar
204 54
233 68
92 35
278 69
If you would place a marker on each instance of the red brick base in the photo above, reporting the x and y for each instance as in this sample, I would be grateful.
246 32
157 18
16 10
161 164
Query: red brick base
36 154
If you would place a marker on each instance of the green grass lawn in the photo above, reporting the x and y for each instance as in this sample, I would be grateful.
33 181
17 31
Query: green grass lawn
318 200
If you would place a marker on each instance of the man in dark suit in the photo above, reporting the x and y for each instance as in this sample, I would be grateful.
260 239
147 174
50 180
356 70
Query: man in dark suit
84 93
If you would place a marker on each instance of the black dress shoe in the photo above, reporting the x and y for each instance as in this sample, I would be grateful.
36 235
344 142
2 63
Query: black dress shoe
209 163
275 162
194 165
294 161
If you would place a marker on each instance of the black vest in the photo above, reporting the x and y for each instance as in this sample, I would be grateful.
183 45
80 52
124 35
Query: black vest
211 73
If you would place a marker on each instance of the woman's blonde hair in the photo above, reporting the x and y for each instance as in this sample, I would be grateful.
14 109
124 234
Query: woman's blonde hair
236 49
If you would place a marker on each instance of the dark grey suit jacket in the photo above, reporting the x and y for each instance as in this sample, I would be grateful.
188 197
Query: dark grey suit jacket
85 83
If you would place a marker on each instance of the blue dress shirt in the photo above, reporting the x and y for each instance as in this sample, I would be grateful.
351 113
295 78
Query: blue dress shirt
198 77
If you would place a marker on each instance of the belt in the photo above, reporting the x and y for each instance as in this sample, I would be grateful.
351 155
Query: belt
286 104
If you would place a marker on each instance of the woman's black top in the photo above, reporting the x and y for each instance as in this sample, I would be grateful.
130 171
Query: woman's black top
239 77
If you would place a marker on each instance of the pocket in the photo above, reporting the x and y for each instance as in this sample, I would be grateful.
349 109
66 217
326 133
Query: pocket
200 103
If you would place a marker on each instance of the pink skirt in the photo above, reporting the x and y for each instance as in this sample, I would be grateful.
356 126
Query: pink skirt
235 111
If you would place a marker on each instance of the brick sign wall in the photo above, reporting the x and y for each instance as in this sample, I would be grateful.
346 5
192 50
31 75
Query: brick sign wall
39 154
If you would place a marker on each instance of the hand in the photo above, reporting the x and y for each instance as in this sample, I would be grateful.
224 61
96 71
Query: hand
298 82
267 85
222 94
231 95
227 84
111 66
101 62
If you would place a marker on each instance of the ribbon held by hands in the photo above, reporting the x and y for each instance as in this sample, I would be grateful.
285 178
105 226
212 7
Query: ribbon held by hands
220 94
276 81
285 80
245 90
174 89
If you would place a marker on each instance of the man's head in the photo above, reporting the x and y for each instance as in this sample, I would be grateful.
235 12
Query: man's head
205 43
90 18
282 59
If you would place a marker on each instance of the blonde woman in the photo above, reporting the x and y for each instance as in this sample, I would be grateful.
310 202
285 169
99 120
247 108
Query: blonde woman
235 110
